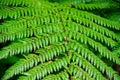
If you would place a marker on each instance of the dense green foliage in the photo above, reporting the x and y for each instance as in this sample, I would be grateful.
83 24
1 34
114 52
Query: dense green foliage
59 40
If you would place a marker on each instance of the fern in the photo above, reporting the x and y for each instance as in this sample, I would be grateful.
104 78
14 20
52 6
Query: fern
58 41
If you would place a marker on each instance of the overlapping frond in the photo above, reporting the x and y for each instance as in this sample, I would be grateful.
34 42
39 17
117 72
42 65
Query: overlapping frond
44 69
89 18
92 6
33 59
17 12
56 42
19 2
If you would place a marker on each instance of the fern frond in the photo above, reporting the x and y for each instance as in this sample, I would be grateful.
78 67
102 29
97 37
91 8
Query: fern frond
94 60
97 47
102 21
32 60
91 70
93 6
91 17
23 46
41 71
77 72
19 2
58 43
59 76
18 12
21 65
28 32
91 33
92 25
27 22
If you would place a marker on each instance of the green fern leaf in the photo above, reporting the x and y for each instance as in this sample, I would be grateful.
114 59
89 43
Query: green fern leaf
59 41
